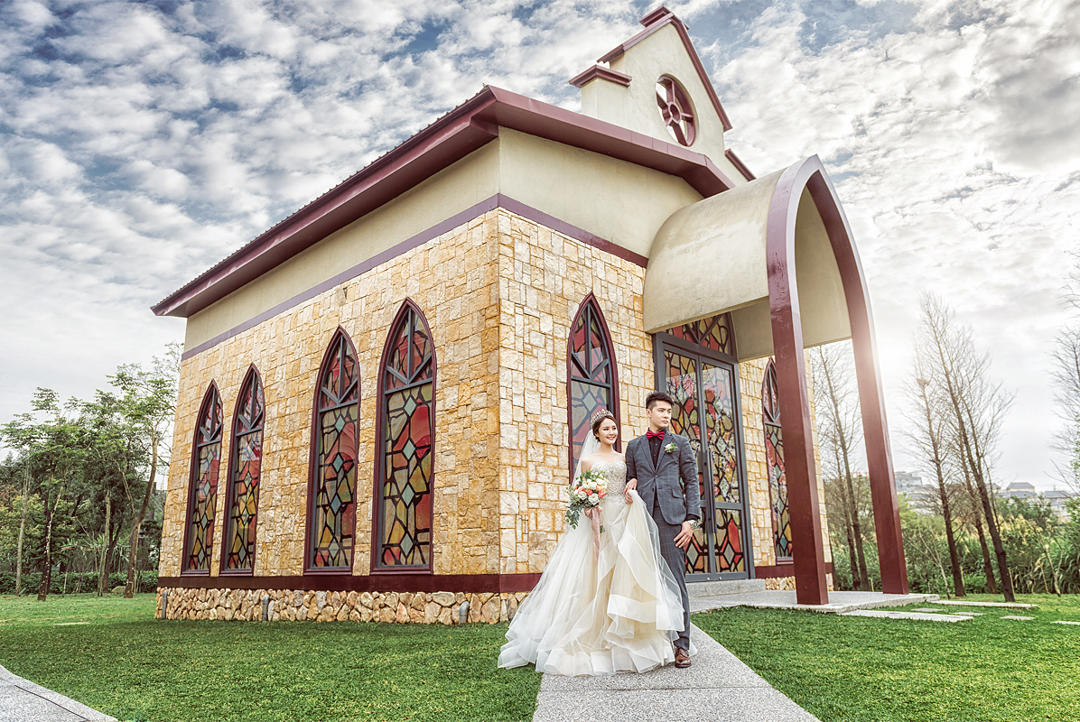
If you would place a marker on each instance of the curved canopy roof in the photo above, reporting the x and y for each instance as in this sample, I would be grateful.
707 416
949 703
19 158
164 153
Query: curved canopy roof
710 258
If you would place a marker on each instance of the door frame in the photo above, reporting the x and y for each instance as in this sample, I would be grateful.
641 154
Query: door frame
662 341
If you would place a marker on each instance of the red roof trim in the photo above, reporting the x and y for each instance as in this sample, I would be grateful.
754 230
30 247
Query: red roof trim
445 141
654 21
655 16
739 165
599 71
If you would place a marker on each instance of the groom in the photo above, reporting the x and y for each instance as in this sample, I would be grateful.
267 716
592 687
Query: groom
655 465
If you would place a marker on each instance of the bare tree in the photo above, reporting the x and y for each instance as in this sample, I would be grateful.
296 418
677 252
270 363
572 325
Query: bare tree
840 422
1067 378
976 406
928 438
836 500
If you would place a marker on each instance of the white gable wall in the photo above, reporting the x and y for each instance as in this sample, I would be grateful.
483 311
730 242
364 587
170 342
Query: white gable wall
634 106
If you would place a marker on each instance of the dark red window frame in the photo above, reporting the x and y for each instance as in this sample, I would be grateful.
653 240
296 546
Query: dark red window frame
420 369
249 419
207 434
334 394
583 369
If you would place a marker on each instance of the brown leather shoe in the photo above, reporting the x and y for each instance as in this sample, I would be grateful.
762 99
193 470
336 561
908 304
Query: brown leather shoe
682 658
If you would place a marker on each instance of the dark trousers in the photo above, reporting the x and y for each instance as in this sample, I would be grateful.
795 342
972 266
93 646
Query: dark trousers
676 560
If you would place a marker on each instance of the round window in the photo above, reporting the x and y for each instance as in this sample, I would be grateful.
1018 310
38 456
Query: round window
676 111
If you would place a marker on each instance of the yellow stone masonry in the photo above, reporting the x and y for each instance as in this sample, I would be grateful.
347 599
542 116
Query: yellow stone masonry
453 280
499 294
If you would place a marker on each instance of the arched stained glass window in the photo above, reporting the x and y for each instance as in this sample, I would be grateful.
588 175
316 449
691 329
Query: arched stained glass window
592 378
332 504
245 463
406 432
713 333
205 460
774 462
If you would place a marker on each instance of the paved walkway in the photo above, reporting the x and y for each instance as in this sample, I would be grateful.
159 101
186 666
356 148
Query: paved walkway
23 701
839 602
716 687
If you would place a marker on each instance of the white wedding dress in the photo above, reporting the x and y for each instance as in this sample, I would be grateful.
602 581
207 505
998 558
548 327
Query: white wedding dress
590 614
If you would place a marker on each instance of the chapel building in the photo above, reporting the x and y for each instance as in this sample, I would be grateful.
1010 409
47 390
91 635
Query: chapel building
382 396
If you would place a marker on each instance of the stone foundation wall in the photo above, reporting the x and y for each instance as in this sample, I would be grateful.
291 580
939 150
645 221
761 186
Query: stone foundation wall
323 606
789 582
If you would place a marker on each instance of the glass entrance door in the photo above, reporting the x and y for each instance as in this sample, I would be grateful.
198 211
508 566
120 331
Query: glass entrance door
703 385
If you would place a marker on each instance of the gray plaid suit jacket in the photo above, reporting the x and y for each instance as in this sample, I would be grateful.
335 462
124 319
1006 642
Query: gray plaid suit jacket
660 484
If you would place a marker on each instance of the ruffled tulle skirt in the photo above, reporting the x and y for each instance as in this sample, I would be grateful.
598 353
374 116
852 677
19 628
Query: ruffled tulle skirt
589 614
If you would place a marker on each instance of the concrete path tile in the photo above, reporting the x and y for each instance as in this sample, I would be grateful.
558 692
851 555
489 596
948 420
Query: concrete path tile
1064 621
963 603
718 686
1017 617
23 701
927 609
922 616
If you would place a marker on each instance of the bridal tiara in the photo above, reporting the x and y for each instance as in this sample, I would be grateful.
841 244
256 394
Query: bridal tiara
598 413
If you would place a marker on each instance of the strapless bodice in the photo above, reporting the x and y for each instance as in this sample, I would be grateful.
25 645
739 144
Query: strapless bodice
615 473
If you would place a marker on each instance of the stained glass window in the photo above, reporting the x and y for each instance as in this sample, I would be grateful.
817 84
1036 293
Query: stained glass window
713 333
774 462
682 386
245 459
206 458
333 485
405 461
591 381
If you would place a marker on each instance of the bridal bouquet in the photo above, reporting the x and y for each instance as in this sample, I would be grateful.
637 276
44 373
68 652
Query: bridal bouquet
587 490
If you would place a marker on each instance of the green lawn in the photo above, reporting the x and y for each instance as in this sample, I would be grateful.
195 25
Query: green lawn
840 668
127 664
853 668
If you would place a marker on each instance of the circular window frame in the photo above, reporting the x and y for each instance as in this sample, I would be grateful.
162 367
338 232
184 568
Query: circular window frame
673 102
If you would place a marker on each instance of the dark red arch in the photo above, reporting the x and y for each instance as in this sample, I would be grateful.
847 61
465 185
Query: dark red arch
407 306
590 302
314 454
212 393
251 376
791 379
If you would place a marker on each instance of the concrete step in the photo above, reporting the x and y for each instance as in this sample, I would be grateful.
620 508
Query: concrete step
727 586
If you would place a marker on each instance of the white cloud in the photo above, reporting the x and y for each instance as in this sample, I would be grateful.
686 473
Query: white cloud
951 139
141 147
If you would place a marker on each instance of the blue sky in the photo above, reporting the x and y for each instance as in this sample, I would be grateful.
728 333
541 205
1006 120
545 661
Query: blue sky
142 142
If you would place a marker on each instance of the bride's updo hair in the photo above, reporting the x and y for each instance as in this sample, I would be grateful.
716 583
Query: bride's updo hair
598 418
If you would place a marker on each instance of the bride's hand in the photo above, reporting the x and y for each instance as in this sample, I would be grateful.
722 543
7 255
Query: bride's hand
630 486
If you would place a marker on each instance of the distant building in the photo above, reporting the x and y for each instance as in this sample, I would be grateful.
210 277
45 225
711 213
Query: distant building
1057 498
908 482
1019 490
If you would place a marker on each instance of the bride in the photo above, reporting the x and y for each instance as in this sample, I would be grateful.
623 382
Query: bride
607 601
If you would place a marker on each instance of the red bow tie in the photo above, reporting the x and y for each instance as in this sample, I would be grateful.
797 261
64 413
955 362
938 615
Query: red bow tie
654 434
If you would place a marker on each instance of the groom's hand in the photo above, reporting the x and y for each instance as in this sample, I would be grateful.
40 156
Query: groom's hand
682 539
630 486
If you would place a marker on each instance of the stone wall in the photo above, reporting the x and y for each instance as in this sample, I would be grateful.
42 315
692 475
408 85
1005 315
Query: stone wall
543 278
452 280
323 606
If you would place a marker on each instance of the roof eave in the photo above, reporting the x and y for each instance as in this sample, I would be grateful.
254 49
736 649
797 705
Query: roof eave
452 137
